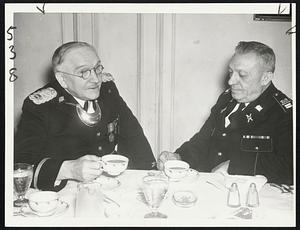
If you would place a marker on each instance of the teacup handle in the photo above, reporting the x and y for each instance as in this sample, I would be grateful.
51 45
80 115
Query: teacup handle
101 162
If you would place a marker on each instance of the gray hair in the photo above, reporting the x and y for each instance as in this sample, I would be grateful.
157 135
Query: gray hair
264 52
60 52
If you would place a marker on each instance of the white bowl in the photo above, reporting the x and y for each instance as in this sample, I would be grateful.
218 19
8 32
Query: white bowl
114 164
43 201
176 169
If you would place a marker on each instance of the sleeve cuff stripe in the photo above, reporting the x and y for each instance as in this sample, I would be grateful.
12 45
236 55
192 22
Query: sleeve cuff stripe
37 171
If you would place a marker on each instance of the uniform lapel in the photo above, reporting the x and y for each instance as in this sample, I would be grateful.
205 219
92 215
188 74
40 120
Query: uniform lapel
224 111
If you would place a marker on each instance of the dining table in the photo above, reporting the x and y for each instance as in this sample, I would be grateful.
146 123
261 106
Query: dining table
121 202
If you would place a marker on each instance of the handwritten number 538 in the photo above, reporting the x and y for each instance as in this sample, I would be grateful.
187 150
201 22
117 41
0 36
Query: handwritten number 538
12 75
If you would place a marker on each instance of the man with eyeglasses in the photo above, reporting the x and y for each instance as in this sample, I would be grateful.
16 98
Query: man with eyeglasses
67 125
249 130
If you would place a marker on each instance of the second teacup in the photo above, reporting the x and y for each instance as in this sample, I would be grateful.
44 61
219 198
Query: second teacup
114 164
176 169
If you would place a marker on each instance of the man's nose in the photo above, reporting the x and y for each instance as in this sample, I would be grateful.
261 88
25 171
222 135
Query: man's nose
94 77
233 79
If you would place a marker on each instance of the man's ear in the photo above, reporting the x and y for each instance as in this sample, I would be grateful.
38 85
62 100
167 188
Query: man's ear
267 78
61 80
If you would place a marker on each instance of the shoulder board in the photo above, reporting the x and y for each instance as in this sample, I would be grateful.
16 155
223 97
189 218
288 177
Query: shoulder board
224 99
107 77
108 87
43 95
284 102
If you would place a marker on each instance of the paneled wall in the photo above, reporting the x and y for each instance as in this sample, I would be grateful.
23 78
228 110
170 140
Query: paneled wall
169 68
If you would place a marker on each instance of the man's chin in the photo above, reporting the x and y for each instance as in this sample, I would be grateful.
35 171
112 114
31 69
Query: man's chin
93 96
236 96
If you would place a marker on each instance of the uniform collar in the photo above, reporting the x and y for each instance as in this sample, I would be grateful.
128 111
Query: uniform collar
66 103
63 95
81 102
264 101
255 112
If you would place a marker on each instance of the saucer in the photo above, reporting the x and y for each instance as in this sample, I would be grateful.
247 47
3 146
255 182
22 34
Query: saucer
191 176
61 208
107 183
112 211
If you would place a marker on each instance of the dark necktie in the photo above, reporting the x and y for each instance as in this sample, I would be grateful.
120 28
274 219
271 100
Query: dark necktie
86 105
234 116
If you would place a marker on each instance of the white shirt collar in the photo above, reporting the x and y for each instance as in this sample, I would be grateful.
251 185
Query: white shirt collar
81 102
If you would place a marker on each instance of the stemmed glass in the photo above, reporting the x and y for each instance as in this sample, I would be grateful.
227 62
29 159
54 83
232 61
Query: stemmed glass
155 189
22 179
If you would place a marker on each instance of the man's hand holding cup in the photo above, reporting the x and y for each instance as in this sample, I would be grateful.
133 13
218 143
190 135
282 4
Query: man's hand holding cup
165 156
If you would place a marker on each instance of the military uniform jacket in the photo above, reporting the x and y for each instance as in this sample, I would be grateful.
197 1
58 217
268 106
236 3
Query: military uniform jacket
258 141
51 132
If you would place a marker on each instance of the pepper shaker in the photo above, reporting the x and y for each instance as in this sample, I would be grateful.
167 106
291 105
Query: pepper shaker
233 198
252 196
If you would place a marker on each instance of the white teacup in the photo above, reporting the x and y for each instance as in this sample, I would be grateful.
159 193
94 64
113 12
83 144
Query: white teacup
176 169
114 164
43 201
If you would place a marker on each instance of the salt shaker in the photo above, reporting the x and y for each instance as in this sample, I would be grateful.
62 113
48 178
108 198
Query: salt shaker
233 198
252 196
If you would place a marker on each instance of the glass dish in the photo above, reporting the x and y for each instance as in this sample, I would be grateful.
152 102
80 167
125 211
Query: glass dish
184 199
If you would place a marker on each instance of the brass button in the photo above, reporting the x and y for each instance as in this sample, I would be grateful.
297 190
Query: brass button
224 134
219 154
100 148
98 134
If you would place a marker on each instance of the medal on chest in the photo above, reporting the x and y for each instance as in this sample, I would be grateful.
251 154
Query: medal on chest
113 130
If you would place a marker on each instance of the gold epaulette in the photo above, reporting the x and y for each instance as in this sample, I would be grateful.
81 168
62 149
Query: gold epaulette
43 95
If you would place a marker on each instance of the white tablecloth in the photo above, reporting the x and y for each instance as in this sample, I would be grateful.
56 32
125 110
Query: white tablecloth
275 209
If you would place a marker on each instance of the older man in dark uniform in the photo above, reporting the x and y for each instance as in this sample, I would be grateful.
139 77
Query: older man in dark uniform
67 125
251 124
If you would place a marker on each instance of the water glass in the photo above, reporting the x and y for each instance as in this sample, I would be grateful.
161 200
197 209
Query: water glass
22 179
155 189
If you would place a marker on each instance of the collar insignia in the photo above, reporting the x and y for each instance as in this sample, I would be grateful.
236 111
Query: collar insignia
222 110
249 117
258 108
227 91
61 99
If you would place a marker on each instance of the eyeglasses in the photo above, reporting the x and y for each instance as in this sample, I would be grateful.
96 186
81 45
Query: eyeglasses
87 73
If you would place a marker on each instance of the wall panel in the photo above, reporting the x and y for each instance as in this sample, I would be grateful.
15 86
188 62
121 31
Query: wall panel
36 38
169 68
